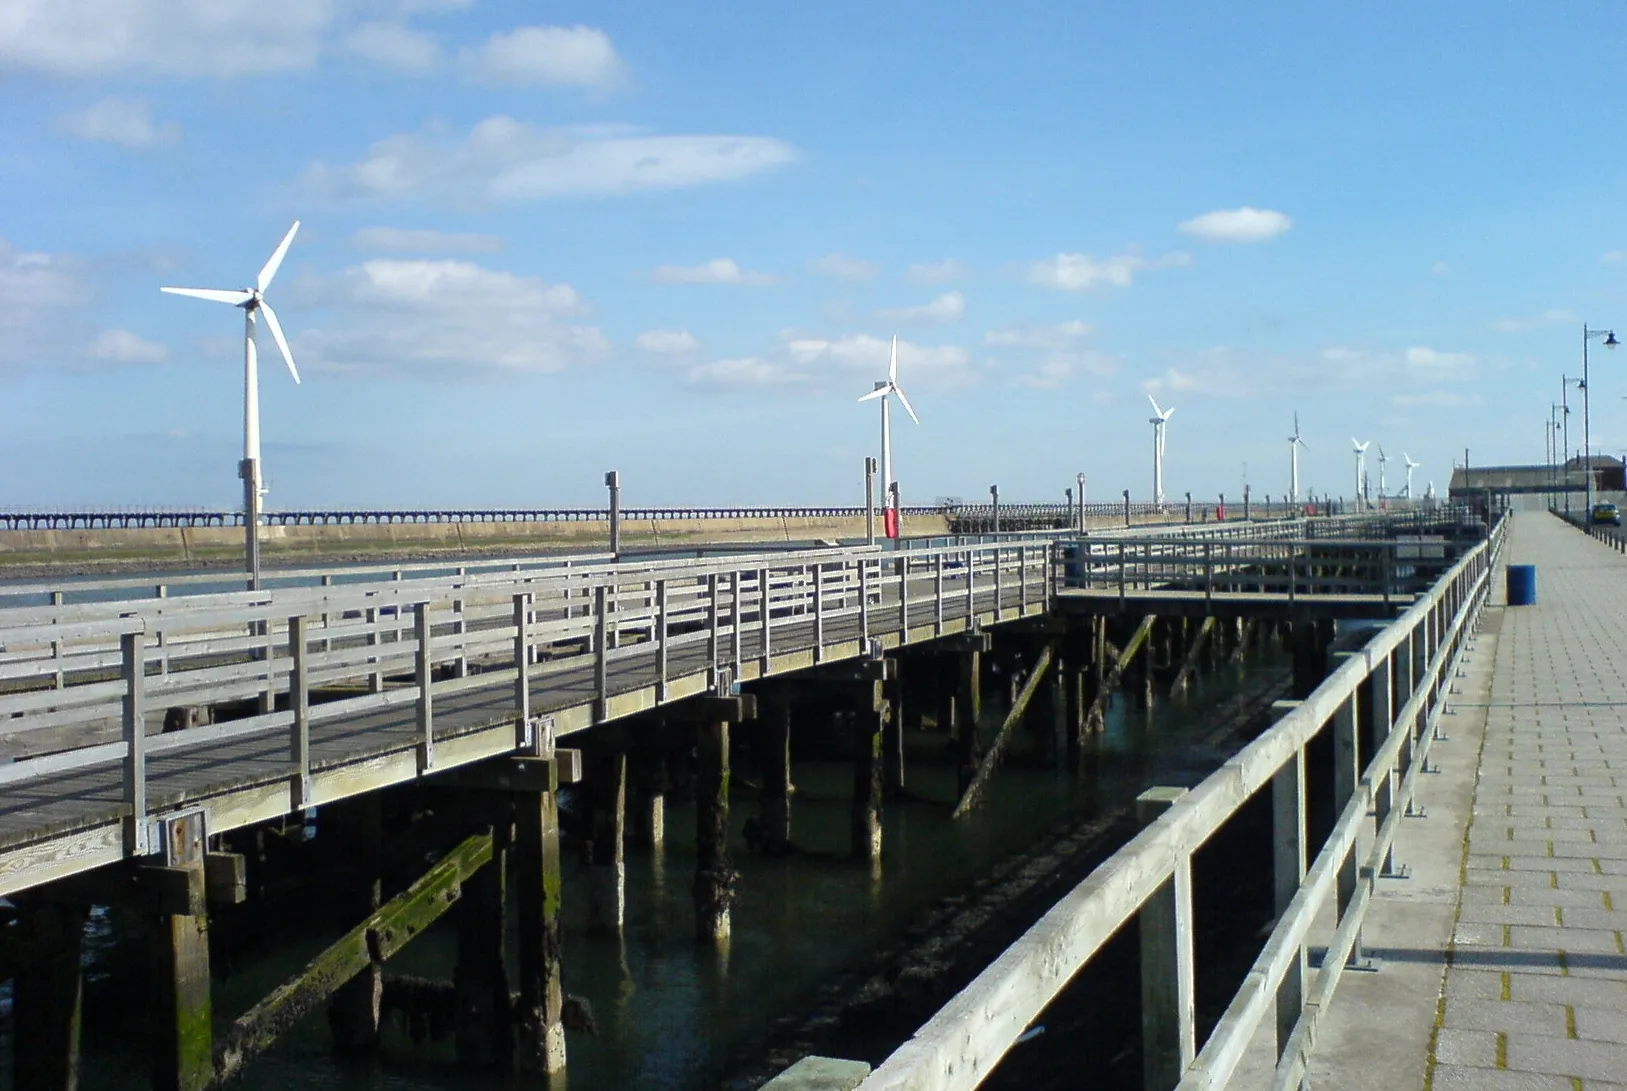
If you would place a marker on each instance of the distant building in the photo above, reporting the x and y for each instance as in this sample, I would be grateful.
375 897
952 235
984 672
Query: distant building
1609 476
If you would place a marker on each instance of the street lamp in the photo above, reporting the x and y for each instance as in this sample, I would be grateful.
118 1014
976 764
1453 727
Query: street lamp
1610 342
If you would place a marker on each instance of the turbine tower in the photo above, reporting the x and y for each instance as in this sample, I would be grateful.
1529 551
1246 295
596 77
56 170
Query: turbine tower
1411 466
252 302
1360 450
1294 444
1159 421
1382 459
889 502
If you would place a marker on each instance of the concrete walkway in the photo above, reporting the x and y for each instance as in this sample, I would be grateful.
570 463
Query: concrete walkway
1501 961
1536 987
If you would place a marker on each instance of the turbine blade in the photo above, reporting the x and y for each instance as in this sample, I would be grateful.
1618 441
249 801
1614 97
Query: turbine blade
1168 413
275 260
276 333
1155 408
892 365
878 392
905 402
214 295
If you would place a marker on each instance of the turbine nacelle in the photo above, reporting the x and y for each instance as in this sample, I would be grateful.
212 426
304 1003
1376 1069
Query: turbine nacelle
252 300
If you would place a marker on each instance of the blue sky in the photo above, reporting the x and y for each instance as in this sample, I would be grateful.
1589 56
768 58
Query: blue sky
545 240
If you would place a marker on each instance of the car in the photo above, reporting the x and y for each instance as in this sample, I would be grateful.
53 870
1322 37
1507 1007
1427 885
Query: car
1606 512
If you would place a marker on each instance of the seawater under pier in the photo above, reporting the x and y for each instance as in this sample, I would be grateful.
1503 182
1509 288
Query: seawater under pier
161 742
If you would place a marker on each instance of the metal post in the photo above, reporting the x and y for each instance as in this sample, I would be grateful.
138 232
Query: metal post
1126 507
1079 479
994 496
523 739
869 500
1245 503
612 481
660 640
601 669
1189 506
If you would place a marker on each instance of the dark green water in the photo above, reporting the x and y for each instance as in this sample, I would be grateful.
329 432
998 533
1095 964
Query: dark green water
672 1014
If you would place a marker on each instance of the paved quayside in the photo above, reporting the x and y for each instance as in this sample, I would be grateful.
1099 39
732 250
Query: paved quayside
1535 985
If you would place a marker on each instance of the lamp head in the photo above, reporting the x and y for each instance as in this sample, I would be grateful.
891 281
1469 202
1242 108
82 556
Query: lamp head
1610 341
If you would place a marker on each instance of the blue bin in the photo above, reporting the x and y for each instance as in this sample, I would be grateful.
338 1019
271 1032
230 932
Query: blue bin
1522 585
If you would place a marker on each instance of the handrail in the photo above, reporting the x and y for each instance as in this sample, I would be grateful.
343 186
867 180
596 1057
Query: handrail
960 1045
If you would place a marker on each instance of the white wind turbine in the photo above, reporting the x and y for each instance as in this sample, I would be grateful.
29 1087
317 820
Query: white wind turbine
252 301
1159 421
1361 467
1411 466
1382 459
1294 444
889 502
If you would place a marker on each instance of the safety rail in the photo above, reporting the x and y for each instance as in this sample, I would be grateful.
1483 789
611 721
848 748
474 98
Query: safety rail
96 670
1395 684
1263 564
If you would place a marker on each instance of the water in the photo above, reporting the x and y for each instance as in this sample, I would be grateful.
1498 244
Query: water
671 1013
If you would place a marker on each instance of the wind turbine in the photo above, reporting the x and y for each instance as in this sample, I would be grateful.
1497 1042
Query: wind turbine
1382 459
1159 421
1294 444
252 302
1411 466
1361 467
889 502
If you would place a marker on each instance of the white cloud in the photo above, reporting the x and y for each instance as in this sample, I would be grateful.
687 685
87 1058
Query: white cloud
1420 356
38 297
1081 272
1440 268
842 267
1432 399
404 240
444 318
716 271
1237 225
186 38
1613 256
1347 368
115 120
504 160
839 364
668 342
937 272
393 45
1546 318
576 56
1062 336
1213 372
124 347
949 307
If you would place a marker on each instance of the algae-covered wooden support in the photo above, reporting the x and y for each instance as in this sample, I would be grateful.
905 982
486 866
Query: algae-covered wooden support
374 939
1138 639
991 759
1194 655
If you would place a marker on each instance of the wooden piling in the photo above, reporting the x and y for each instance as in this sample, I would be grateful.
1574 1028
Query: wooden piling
183 1032
483 1020
357 829
869 730
968 713
47 995
535 868
714 877
892 741
774 803
607 865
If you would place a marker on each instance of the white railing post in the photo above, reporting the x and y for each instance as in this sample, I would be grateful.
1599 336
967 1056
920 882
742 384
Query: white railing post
660 640
601 671
523 740
1168 1022
1288 870
764 617
819 612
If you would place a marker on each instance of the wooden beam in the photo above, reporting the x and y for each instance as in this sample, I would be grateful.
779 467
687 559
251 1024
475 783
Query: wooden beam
730 710
516 773
1098 707
1193 655
991 758
378 937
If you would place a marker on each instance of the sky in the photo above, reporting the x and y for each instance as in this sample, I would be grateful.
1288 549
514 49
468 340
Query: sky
541 240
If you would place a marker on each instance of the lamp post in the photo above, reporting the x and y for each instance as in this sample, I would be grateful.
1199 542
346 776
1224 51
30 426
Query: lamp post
1610 342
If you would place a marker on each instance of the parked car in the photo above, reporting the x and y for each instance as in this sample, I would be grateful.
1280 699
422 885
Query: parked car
1606 512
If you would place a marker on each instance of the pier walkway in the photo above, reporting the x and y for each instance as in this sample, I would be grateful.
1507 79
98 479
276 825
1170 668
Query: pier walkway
1517 884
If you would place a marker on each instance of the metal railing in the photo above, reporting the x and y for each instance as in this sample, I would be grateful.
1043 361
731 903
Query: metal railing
1399 680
